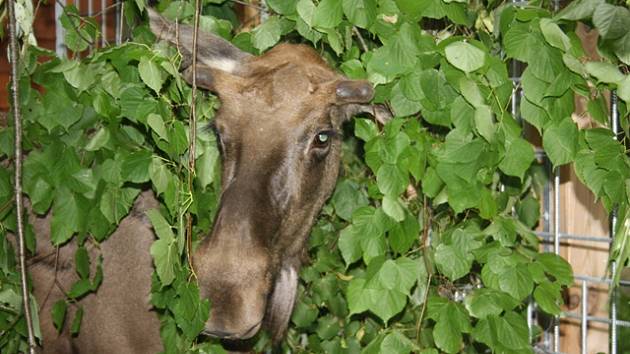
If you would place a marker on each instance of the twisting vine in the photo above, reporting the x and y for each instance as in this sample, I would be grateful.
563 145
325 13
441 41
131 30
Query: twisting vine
193 137
19 208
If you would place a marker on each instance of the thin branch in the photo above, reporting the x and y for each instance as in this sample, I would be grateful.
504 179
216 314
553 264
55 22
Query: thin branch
193 137
13 45
76 29
100 12
424 307
356 32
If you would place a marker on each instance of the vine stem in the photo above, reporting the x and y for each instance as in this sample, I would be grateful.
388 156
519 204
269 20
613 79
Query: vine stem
193 137
13 47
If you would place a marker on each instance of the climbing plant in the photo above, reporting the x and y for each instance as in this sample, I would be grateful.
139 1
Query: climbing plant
426 244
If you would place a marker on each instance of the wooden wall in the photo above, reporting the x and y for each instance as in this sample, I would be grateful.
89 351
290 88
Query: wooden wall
581 214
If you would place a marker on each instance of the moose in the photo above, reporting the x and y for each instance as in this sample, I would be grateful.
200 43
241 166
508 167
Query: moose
279 130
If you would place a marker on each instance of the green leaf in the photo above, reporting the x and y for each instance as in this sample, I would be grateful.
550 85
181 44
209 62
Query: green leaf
116 202
360 13
519 155
621 46
76 76
82 262
159 174
547 296
557 267
486 302
365 129
80 288
451 262
350 245
157 125
484 123
471 92
404 234
66 218
512 331
160 225
191 313
560 141
267 34
517 282
151 74
98 140
391 180
397 343
579 9
393 208
347 197
284 7
135 166
58 314
306 10
611 21
451 320
623 90
304 314
136 104
75 327
328 14
554 35
465 56
165 258
604 72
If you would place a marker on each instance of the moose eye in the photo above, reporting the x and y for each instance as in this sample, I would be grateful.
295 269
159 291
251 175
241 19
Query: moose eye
322 139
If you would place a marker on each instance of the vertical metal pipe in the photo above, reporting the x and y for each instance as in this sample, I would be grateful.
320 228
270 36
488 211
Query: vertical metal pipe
556 244
530 318
103 22
584 330
614 124
90 13
60 32
118 21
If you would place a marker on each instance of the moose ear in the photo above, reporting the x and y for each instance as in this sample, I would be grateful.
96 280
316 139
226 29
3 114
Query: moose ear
354 91
213 52
353 97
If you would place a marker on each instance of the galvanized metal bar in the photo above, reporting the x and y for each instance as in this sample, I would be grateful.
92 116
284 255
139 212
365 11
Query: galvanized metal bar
620 323
565 236
119 12
584 328
556 246
103 23
614 123
60 32
592 279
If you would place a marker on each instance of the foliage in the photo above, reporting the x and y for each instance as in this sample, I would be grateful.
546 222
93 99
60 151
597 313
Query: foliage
427 242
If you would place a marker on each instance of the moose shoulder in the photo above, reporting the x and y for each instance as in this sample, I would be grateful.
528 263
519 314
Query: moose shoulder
279 127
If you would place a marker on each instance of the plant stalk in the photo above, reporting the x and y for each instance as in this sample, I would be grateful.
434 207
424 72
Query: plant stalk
193 137
19 205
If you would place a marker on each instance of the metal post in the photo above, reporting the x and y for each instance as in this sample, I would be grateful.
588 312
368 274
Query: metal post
584 331
614 118
60 32
556 246
103 23
119 21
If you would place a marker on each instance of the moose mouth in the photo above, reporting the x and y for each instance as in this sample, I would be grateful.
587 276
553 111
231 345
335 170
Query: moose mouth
247 334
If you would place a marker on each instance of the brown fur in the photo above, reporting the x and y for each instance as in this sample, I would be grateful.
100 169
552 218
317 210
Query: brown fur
276 178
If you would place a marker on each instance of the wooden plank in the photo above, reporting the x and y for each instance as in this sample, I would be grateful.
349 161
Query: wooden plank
581 214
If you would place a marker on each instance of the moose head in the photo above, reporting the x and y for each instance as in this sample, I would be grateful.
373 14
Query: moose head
279 129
